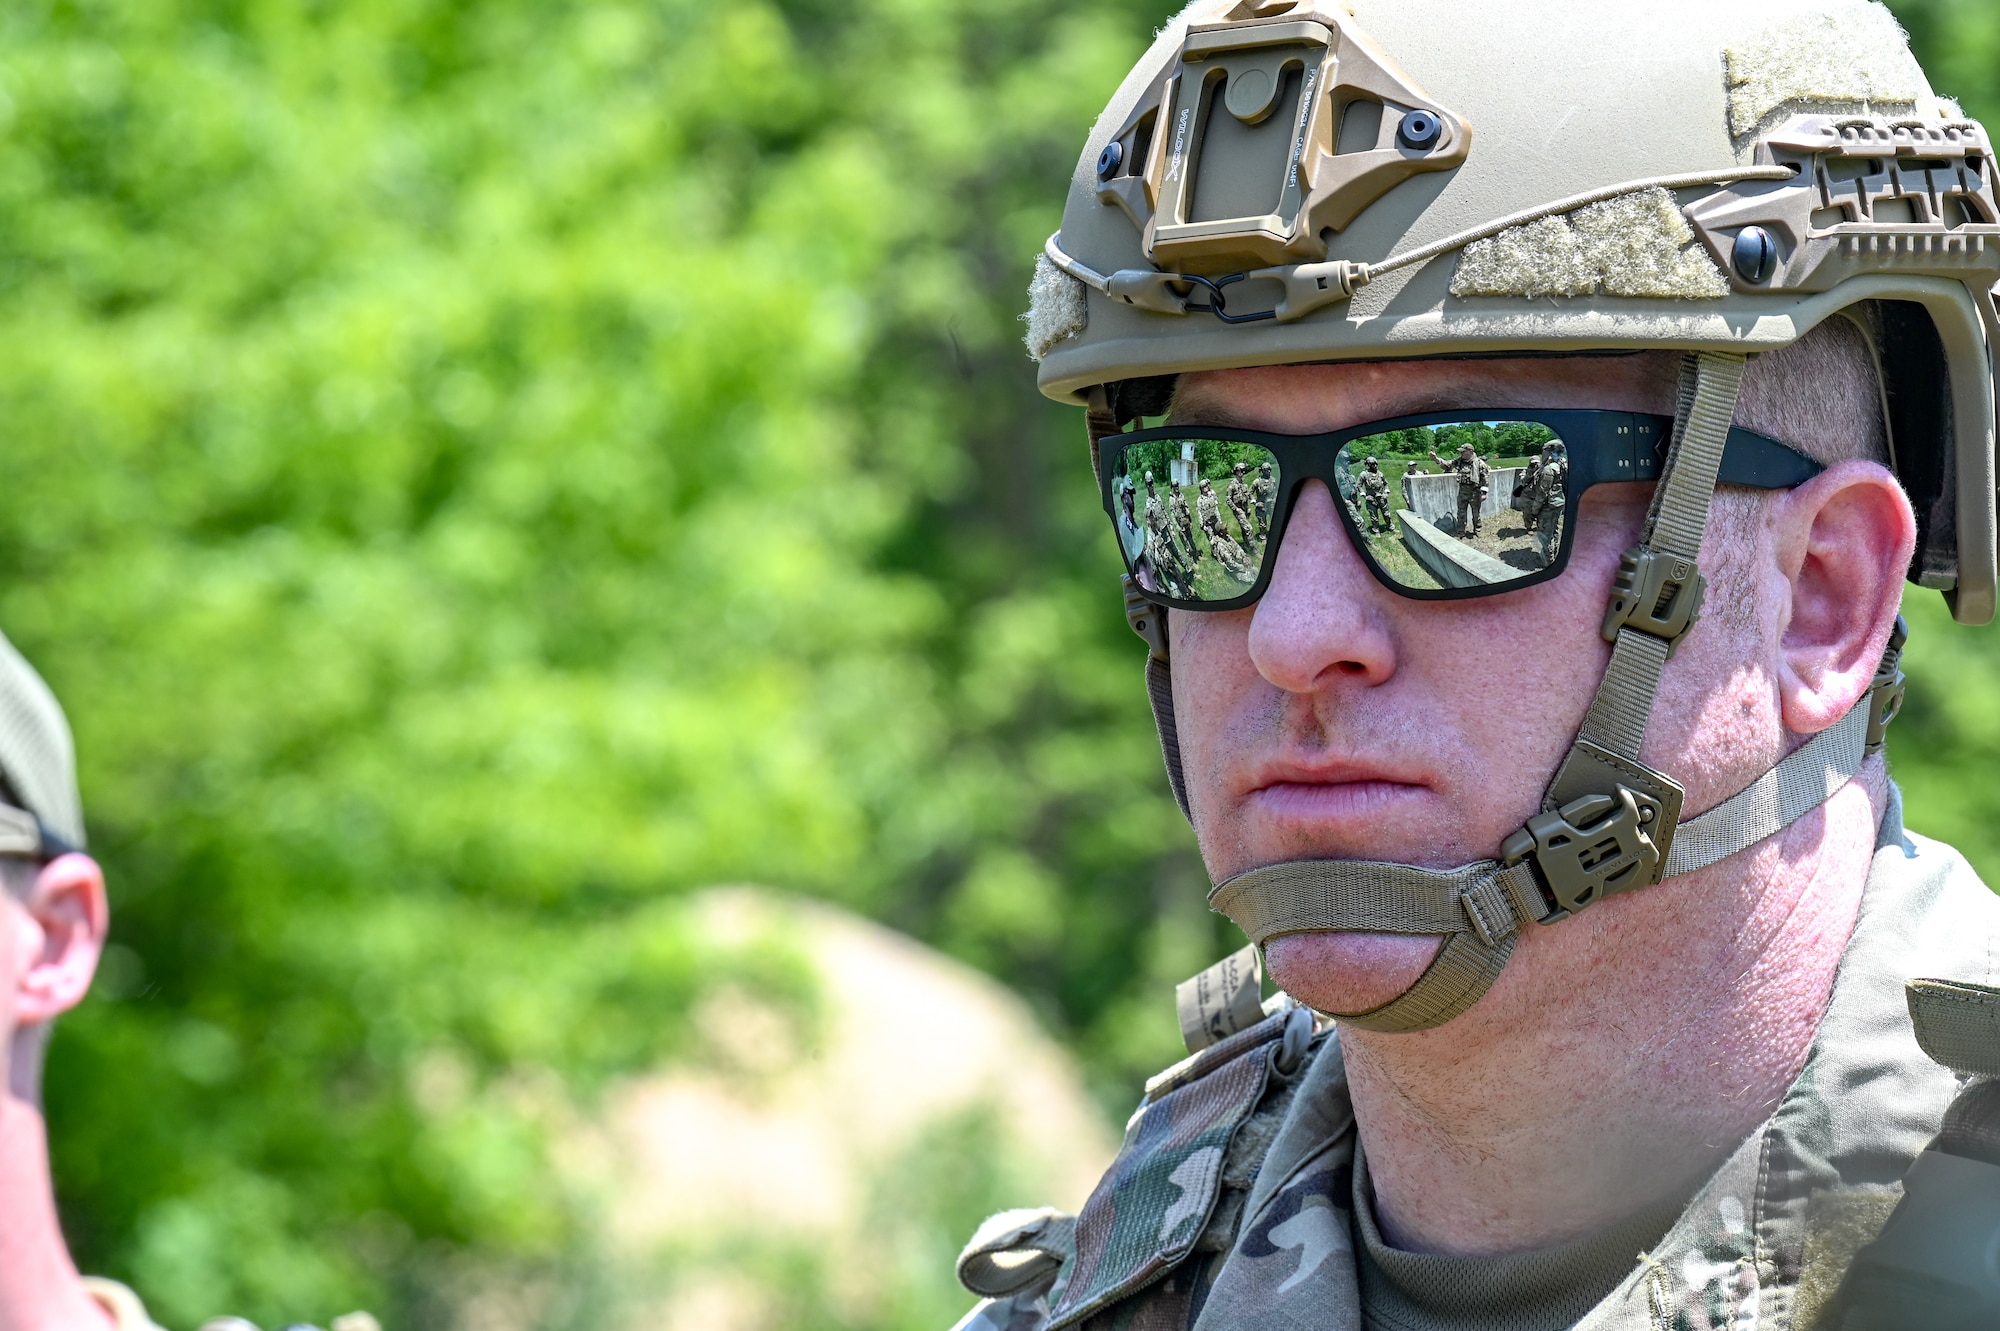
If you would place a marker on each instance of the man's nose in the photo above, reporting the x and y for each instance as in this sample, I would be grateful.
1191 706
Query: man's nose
1320 621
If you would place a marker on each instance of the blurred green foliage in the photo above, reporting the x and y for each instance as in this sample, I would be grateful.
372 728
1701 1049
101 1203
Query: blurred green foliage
478 471
475 471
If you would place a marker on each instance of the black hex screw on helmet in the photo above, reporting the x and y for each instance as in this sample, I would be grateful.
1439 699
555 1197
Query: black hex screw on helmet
1755 254
1420 130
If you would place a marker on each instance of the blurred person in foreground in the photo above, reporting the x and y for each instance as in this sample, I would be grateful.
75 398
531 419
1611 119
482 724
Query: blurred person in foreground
54 917
1639 1009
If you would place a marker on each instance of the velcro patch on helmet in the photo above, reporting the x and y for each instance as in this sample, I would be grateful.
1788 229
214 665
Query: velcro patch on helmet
1056 307
1847 57
1634 245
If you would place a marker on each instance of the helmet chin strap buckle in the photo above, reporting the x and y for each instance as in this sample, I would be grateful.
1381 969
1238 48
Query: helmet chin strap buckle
1885 695
1657 592
1591 848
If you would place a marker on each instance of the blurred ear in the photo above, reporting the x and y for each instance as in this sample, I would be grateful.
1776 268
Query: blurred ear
67 918
1843 541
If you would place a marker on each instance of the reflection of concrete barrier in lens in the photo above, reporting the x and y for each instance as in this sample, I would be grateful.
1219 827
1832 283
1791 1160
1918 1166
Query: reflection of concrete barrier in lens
1451 562
1435 498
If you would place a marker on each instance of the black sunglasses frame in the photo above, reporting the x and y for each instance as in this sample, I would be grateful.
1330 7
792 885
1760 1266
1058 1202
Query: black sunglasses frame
1601 447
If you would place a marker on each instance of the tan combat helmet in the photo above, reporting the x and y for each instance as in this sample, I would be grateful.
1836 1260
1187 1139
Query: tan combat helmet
1288 181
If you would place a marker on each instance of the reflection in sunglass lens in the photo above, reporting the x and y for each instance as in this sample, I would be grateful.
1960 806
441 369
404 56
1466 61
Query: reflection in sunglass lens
1466 504
1194 515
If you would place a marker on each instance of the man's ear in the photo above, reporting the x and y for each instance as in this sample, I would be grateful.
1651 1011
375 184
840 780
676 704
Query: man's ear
1843 542
69 910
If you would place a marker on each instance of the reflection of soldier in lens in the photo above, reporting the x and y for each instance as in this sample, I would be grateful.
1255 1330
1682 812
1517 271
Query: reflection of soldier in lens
1263 491
1211 512
1241 504
1177 509
1235 561
1375 497
1472 475
1546 502
1160 549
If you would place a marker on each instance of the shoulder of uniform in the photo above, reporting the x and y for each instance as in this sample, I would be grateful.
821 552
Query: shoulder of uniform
1158 1197
1184 1152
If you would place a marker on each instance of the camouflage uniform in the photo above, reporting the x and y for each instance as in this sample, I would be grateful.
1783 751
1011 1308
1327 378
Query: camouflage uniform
1263 492
1160 551
1240 1197
1234 559
1238 497
1472 473
1546 503
1211 512
1375 499
1177 509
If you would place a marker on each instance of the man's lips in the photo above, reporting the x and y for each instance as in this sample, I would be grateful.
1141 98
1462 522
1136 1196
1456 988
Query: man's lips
1334 789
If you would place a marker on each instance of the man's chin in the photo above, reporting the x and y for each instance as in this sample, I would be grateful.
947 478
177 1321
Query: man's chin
1348 972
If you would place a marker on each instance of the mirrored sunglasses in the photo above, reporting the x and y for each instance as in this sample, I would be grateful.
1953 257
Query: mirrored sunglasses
1440 506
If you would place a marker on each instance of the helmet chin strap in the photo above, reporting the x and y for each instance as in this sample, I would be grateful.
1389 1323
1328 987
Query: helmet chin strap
1609 823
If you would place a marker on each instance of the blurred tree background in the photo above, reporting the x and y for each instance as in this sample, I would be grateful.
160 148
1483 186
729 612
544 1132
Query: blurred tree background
477 472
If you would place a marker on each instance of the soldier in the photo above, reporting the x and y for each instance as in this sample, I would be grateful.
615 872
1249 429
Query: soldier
1375 496
1234 559
1659 1055
1183 522
1472 475
1264 491
1546 501
1166 560
1241 504
53 921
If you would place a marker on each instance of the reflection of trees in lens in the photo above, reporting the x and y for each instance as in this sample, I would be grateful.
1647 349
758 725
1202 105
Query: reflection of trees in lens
1521 439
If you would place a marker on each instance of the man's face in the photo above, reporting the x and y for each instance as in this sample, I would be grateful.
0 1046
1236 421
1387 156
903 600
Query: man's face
1335 719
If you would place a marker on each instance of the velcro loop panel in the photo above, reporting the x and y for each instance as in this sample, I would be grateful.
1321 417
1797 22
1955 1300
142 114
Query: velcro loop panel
1957 1024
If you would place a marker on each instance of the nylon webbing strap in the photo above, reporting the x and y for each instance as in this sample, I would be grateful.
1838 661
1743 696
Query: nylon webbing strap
1806 779
1377 897
1687 487
1160 693
1624 703
1478 908
1459 976
1674 526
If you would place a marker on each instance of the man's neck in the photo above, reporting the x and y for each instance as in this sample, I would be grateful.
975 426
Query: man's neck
39 1287
1624 1054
